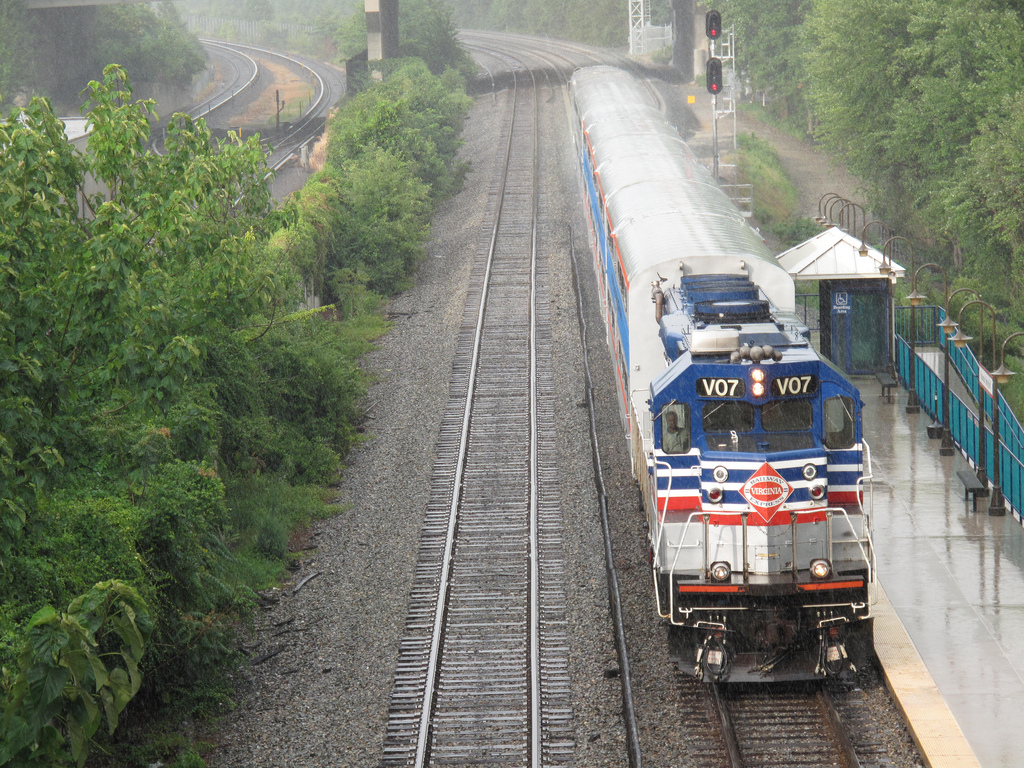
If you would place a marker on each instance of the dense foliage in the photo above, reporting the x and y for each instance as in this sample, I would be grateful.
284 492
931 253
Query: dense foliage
150 42
146 371
364 217
15 50
922 100
170 414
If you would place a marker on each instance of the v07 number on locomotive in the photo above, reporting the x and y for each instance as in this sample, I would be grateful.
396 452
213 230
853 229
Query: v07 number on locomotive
783 386
716 387
794 385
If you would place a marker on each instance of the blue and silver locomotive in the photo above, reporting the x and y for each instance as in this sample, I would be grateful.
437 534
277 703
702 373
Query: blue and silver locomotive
746 444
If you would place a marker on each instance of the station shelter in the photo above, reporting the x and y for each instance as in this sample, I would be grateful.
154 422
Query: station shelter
855 307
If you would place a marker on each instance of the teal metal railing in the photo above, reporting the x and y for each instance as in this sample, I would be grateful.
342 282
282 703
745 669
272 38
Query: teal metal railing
963 422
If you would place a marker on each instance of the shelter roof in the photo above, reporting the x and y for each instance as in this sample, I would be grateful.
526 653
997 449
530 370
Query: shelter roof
835 255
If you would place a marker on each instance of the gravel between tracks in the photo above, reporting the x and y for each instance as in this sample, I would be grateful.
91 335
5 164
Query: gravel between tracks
322 698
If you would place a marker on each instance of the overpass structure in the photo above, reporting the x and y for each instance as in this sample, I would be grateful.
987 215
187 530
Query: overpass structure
38 5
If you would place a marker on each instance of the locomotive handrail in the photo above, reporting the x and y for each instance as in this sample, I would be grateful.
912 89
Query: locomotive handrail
704 515
661 532
867 479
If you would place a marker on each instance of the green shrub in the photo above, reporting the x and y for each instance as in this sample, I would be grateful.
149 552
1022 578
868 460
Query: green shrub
290 399
776 199
76 540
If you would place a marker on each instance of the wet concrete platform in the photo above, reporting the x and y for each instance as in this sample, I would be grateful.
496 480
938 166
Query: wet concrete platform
954 577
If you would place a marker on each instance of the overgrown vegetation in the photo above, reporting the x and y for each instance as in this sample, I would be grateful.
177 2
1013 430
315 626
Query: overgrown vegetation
170 414
922 100
150 41
775 195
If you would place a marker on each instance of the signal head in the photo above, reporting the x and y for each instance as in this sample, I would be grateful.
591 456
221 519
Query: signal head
713 73
713 25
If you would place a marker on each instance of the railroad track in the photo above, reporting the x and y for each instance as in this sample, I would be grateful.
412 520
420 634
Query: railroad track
483 668
782 726
326 85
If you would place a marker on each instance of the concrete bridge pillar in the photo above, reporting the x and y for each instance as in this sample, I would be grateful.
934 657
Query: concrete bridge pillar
381 29
683 37
66 44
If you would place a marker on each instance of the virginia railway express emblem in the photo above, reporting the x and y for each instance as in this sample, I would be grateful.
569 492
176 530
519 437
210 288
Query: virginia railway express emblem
766 490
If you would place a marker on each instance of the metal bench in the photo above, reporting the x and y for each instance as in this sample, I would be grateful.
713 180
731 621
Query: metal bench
973 487
888 383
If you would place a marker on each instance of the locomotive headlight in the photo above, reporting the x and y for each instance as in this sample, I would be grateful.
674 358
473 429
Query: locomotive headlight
757 380
810 471
720 473
821 568
818 491
715 494
721 571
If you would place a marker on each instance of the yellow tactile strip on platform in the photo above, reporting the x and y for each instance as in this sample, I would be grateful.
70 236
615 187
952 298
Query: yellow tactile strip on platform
931 724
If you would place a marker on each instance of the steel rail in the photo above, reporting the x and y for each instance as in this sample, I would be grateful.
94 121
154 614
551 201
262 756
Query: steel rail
614 597
436 668
446 562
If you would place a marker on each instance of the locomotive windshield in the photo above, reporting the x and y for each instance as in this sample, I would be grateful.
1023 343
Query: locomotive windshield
728 416
785 425
787 415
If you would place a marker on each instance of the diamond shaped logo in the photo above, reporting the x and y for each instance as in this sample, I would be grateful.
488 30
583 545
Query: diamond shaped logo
766 490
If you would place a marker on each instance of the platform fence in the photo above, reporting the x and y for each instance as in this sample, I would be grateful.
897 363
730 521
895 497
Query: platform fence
964 421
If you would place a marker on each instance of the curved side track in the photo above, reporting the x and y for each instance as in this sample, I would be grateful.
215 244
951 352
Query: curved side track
483 669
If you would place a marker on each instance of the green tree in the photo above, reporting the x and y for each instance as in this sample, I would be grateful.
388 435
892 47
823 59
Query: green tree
107 296
769 39
153 45
428 32
413 115
856 112
15 49
387 219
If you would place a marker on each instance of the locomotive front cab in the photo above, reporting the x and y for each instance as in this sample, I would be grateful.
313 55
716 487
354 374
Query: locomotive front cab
759 537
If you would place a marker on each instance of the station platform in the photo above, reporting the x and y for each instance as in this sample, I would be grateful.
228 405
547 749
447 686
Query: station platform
954 578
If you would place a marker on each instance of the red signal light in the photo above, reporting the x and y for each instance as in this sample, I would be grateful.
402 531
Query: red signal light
713 73
713 24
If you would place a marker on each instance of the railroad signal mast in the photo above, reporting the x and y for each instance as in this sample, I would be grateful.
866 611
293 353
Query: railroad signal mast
639 19
718 82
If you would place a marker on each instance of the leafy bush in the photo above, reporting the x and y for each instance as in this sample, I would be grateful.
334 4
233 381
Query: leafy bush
290 400
775 196
413 115
150 42
76 670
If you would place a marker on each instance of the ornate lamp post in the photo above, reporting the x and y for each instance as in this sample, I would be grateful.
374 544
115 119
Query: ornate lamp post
850 220
960 340
912 403
823 203
1002 375
915 298
948 326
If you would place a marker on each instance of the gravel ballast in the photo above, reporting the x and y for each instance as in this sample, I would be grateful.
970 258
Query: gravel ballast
323 698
